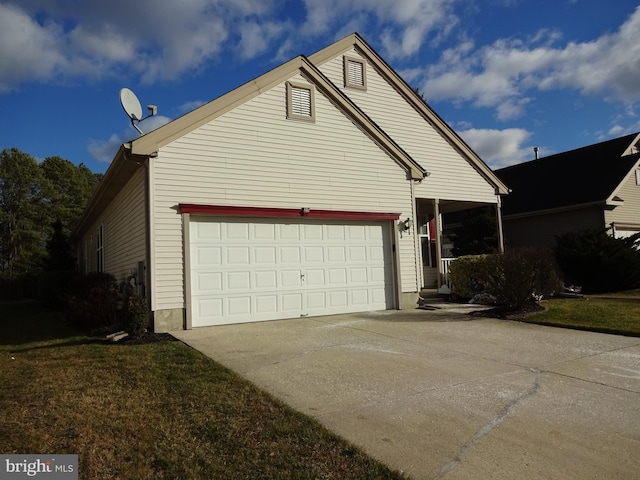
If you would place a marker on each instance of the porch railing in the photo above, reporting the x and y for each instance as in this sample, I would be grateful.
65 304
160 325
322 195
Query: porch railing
444 271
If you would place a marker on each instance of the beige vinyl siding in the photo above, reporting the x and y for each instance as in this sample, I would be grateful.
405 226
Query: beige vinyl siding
452 177
123 231
255 156
629 213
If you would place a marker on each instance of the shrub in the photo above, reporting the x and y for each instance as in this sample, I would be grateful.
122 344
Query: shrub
136 316
467 275
512 278
518 274
94 301
599 262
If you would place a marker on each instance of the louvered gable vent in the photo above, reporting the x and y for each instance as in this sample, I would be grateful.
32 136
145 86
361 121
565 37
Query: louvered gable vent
355 73
300 101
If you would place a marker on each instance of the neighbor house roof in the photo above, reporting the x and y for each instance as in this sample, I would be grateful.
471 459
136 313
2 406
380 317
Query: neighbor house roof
587 175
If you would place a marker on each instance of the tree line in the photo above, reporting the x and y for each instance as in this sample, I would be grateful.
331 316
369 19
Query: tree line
40 203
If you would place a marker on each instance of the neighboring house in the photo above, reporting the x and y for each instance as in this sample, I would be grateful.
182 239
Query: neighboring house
307 191
592 187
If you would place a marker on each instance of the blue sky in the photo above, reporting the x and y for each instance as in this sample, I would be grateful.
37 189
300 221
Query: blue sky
507 75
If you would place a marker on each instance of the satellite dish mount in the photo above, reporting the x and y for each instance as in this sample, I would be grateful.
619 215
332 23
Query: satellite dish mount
133 109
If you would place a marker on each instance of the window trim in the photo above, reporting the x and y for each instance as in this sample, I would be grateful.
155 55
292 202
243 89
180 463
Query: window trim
291 86
363 63
638 176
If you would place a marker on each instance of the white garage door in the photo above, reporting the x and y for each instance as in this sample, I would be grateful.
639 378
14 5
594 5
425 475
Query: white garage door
247 270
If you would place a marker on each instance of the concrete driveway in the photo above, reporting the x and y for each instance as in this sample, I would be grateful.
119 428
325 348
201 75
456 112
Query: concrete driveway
441 394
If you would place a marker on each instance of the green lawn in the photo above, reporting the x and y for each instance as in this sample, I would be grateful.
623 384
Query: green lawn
155 410
617 313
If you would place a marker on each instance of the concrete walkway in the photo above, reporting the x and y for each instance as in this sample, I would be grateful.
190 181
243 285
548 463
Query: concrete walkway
444 395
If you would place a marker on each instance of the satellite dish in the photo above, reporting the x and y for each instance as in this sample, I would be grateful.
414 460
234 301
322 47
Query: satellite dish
131 104
133 109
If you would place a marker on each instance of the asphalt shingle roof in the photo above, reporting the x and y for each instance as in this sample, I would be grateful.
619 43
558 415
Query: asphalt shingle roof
587 174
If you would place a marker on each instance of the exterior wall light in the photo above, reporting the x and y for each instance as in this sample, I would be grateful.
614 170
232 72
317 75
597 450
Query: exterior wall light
405 225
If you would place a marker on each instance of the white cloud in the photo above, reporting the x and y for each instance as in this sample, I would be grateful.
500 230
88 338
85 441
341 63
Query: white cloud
155 40
505 74
45 40
105 150
405 24
499 148
189 106
256 38
28 50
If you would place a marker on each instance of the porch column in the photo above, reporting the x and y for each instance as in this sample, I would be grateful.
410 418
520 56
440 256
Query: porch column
436 216
499 219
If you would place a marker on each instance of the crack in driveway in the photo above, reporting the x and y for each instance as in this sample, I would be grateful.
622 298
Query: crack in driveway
490 425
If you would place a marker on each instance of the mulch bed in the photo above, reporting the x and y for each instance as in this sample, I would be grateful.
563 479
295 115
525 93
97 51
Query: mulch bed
505 313
148 337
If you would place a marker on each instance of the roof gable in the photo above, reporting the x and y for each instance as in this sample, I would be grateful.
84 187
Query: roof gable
586 175
354 41
148 144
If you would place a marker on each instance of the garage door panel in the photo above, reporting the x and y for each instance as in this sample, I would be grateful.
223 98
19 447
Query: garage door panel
266 304
265 255
264 231
209 255
356 232
337 276
292 303
313 232
238 305
209 231
238 231
290 279
316 300
338 299
357 254
315 277
259 269
335 232
267 279
207 282
239 280
289 232
360 297
238 255
314 254
336 254
290 255
358 275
